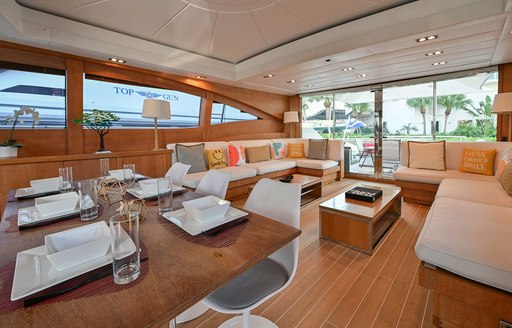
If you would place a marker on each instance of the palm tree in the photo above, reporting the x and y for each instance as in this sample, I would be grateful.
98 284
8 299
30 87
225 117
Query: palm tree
483 113
408 128
451 102
358 108
421 103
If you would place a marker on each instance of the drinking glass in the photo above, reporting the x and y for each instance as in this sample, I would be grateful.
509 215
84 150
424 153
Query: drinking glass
88 196
104 167
164 186
66 179
129 174
124 230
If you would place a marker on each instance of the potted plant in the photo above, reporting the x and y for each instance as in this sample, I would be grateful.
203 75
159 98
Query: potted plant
10 148
99 121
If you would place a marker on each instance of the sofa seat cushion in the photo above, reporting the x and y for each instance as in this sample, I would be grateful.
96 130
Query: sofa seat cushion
435 177
271 166
237 173
470 240
317 164
483 192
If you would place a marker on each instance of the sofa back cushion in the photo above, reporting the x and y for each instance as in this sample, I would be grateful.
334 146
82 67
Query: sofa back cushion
478 161
258 154
216 159
427 155
318 149
191 155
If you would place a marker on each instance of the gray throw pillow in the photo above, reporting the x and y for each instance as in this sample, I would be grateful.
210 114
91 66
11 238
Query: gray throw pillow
191 155
317 149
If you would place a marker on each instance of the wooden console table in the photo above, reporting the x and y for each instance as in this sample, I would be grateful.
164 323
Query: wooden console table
359 224
17 172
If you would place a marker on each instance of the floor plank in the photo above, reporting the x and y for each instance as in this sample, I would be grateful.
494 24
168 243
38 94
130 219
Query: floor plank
337 286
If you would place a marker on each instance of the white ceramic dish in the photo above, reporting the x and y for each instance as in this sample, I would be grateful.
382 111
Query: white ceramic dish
139 193
30 216
149 186
45 185
29 192
76 246
55 205
119 174
193 227
34 272
206 209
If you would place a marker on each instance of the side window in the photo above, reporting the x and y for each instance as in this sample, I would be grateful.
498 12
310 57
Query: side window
39 88
125 100
222 113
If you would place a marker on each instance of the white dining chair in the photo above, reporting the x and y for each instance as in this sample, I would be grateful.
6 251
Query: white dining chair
214 183
177 172
281 202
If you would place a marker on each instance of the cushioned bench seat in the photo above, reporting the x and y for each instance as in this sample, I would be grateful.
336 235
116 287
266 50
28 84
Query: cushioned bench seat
435 177
237 173
484 192
315 163
271 166
470 240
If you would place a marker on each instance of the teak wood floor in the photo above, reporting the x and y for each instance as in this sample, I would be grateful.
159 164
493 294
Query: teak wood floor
339 287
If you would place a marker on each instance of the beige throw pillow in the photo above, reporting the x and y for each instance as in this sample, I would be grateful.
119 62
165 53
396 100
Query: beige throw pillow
427 155
257 154
317 148
506 179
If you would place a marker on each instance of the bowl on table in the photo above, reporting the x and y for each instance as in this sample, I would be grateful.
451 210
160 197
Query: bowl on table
56 204
43 185
207 208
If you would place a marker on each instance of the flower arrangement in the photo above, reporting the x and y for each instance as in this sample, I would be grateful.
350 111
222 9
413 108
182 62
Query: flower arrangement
15 118
99 121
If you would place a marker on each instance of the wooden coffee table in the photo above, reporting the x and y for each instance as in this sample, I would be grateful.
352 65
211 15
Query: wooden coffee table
310 187
359 224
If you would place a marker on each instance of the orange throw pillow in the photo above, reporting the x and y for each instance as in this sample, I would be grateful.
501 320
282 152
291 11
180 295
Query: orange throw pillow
478 161
296 150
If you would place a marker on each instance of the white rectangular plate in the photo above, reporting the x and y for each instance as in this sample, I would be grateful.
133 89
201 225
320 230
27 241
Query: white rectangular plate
193 227
137 192
30 193
34 272
30 215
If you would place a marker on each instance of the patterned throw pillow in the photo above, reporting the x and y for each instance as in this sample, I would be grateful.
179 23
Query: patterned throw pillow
296 150
506 179
216 158
236 155
278 150
191 155
477 161
506 157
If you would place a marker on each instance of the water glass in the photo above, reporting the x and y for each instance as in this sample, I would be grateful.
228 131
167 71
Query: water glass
104 167
124 230
164 186
88 196
129 174
66 179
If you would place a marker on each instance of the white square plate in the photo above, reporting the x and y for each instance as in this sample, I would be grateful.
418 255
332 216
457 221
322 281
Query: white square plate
193 227
31 193
139 193
30 216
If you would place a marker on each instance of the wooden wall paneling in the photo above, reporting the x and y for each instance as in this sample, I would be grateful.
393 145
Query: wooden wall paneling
14 176
257 129
295 107
88 168
504 121
149 165
205 116
14 53
74 106
39 142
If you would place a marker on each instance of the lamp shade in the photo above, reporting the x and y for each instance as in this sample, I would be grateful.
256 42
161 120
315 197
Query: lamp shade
291 117
502 103
156 108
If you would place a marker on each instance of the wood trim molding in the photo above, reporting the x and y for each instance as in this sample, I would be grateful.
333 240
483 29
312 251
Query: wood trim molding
74 106
504 121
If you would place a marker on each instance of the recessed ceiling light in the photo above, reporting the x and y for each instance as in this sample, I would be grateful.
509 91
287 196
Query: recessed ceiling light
427 38
361 75
309 85
344 69
434 53
439 63
117 60
291 81
268 76
200 77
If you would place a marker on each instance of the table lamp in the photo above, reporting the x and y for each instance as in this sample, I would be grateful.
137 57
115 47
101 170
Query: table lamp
291 117
156 109
502 104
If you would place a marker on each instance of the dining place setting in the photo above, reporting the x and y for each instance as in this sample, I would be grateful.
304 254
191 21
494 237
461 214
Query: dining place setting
92 242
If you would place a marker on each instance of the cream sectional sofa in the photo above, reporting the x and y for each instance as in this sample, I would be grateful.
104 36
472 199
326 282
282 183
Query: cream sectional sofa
244 175
420 185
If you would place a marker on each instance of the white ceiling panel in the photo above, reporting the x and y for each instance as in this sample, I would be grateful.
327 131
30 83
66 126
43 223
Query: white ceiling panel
238 41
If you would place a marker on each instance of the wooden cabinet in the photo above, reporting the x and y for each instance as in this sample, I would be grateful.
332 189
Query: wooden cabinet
17 172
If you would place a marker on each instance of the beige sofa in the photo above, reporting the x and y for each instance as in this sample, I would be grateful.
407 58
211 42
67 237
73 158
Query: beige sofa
420 185
244 175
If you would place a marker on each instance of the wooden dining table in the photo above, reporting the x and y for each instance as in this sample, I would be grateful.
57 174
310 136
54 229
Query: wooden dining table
181 271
